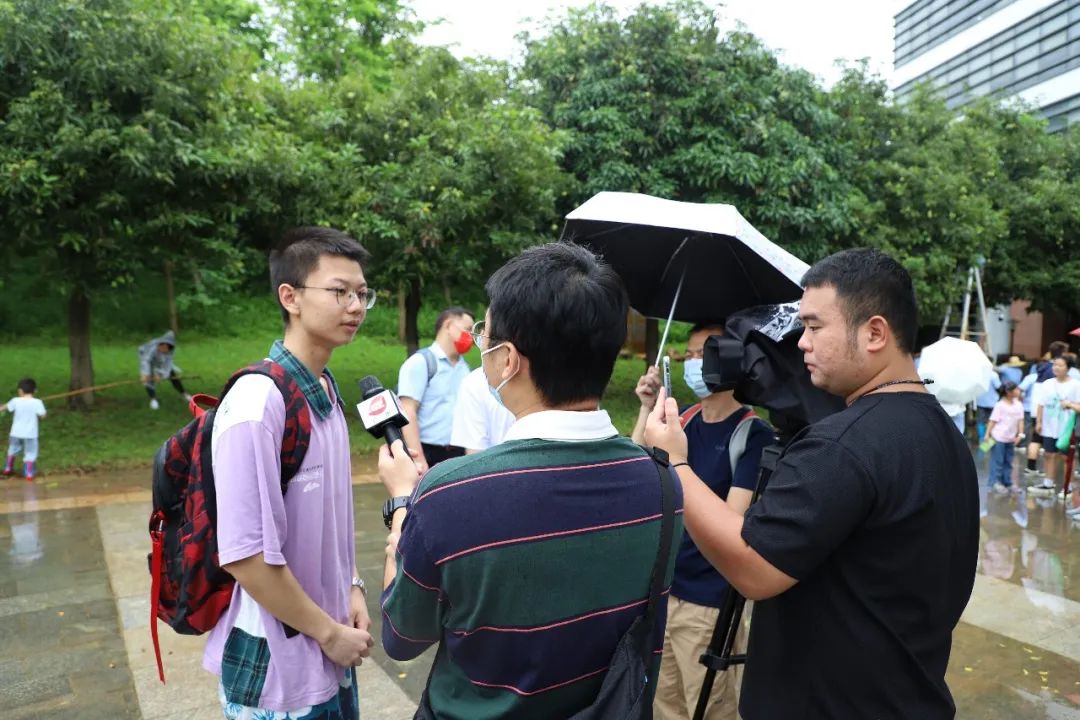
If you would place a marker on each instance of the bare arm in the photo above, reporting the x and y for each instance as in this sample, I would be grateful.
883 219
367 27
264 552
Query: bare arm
738 499
647 387
275 588
716 529
390 570
714 526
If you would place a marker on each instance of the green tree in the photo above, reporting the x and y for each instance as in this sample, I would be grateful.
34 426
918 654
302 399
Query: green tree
661 103
1036 187
328 39
442 174
119 146
921 186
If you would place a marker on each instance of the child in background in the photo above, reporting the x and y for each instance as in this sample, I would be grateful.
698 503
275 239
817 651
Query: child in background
1005 429
26 410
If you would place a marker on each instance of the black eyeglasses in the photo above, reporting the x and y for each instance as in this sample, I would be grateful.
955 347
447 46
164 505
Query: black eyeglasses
345 297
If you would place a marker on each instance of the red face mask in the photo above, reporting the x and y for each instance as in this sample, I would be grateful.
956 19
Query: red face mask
463 343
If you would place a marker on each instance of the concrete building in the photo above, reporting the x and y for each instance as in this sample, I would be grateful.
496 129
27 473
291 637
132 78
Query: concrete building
1028 49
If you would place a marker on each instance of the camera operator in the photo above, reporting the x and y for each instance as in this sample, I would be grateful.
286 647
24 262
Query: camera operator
861 551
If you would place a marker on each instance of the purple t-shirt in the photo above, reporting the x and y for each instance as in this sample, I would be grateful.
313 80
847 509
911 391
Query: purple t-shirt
310 529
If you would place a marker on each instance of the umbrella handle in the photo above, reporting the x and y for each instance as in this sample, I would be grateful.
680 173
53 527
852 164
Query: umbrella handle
667 326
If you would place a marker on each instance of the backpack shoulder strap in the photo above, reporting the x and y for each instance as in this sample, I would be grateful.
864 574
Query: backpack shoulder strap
689 414
297 435
739 437
663 555
432 364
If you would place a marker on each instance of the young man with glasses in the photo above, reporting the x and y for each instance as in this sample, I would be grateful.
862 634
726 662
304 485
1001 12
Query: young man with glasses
298 621
528 561
428 384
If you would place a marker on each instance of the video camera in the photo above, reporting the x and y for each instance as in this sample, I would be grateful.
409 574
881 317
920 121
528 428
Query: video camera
758 357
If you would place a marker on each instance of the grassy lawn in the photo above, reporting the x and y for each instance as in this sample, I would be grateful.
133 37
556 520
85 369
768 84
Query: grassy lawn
121 431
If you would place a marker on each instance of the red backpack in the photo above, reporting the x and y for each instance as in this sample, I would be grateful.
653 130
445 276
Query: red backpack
188 588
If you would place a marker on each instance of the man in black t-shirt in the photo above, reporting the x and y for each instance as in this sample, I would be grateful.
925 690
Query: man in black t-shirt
861 552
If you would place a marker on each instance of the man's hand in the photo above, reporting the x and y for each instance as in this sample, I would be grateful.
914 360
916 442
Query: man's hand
347 646
358 611
647 387
397 470
663 429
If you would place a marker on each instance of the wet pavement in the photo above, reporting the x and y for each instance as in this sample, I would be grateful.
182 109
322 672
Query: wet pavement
74 610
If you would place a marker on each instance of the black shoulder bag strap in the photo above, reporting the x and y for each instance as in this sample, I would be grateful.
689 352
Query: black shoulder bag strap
663 557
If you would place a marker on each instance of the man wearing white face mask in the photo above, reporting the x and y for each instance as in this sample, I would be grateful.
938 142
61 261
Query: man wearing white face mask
527 562
712 426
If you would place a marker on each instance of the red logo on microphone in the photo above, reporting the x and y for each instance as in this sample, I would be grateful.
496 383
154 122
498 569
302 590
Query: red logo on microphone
378 405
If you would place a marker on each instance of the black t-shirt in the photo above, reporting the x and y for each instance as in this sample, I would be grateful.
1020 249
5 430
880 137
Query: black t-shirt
875 511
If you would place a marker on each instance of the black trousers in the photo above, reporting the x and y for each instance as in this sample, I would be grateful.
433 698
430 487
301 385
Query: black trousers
435 454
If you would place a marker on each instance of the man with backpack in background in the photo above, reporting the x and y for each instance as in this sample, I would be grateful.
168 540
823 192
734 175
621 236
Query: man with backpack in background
725 441
428 385
297 623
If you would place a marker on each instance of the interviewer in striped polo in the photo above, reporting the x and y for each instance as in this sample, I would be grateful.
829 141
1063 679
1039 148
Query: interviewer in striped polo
527 562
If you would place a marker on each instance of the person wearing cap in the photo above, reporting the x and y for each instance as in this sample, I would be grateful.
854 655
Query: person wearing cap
156 363
1013 370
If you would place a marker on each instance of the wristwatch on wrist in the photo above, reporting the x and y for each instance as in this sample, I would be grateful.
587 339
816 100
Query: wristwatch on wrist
359 583
391 506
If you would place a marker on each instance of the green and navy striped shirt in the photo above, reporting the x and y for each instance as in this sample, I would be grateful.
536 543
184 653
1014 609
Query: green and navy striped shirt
527 563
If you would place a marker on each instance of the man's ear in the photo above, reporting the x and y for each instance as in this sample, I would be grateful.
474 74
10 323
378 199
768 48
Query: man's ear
878 333
289 298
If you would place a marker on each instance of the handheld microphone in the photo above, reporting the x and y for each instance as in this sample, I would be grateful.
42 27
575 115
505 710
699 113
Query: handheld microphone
380 412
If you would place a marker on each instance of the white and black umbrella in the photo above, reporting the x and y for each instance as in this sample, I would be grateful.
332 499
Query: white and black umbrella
692 262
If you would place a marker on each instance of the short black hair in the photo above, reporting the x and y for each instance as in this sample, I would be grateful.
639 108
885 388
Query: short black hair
868 282
450 312
1057 349
1069 358
565 310
1006 387
28 386
713 325
298 253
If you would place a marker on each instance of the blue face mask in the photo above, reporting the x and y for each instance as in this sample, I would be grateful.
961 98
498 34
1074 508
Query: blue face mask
495 390
692 377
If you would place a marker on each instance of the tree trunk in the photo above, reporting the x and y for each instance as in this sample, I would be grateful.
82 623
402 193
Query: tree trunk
82 367
652 340
446 292
174 324
401 316
412 310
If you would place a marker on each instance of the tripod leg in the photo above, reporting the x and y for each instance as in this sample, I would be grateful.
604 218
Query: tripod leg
720 647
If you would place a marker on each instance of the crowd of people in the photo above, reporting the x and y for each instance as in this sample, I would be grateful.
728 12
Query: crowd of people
526 536
1035 411
527 563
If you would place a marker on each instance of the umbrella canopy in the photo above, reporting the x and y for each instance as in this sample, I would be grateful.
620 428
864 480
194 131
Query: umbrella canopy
1075 332
721 261
959 368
